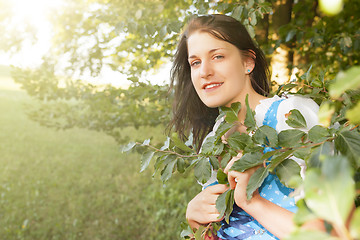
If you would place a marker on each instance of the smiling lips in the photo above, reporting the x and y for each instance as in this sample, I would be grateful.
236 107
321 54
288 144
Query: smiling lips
210 86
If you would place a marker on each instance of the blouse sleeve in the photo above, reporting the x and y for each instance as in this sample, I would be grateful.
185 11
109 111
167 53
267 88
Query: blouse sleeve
307 107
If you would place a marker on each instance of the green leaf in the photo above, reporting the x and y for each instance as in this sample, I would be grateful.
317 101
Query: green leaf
166 144
221 177
224 204
190 139
266 7
138 14
250 4
301 234
169 158
202 170
222 129
287 171
319 153
185 230
350 79
229 205
128 147
354 114
199 232
214 162
249 122
238 141
348 143
208 145
162 32
316 83
266 135
166 173
253 20
318 134
237 12
289 86
256 180
225 160
290 35
217 150
221 203
296 119
158 163
180 164
325 113
145 160
307 74
303 214
330 193
180 144
279 159
247 161
355 224
231 113
290 137
146 142
302 153
269 154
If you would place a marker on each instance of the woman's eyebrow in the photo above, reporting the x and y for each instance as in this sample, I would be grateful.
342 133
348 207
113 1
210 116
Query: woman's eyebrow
211 51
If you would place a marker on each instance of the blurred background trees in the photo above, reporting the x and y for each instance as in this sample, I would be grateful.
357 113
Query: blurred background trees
304 40
137 38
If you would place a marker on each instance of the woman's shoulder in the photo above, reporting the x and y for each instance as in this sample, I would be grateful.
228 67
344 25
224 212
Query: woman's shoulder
263 107
299 102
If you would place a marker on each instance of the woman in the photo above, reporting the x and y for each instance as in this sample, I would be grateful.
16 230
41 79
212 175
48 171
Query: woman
217 64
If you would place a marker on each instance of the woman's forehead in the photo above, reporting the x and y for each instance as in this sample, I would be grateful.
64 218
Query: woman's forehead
203 42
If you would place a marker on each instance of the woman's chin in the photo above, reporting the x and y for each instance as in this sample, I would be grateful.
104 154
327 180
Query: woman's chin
213 105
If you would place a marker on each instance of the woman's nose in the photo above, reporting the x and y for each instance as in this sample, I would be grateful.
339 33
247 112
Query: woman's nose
206 69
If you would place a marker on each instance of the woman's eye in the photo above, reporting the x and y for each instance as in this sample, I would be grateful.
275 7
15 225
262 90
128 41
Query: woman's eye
219 57
194 63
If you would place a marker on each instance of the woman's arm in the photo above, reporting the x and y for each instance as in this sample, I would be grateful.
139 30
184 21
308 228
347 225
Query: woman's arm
274 218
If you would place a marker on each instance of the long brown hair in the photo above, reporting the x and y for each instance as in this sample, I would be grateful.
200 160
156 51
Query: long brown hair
189 112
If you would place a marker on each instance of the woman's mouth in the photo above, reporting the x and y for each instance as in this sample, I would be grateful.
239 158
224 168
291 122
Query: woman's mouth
211 86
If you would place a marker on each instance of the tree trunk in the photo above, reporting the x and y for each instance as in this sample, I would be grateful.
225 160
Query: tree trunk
281 58
312 6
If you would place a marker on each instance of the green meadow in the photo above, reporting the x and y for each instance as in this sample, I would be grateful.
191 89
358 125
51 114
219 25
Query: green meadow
76 184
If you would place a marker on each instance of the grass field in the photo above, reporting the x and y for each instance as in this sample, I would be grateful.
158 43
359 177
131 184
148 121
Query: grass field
75 184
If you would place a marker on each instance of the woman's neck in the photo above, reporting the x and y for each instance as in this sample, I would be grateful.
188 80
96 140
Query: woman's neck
254 99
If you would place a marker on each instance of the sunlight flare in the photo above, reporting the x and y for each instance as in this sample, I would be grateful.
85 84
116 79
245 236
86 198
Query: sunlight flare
36 15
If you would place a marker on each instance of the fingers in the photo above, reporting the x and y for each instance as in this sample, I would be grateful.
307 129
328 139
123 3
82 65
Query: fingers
217 189
202 212
215 217
233 178
229 165
210 194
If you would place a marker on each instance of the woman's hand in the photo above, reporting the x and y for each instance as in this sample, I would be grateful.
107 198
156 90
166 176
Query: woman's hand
258 207
239 182
201 209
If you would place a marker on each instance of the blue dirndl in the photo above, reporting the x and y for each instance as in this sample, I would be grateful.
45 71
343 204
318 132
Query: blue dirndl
241 224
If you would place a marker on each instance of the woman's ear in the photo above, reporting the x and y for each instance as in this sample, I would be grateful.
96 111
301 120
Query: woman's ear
250 61
249 65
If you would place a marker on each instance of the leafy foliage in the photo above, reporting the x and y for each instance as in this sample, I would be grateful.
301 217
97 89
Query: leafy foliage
132 38
329 177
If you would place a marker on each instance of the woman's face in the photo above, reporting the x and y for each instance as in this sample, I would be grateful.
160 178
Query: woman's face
218 72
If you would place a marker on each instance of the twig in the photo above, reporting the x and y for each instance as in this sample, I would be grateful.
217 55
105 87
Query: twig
166 151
